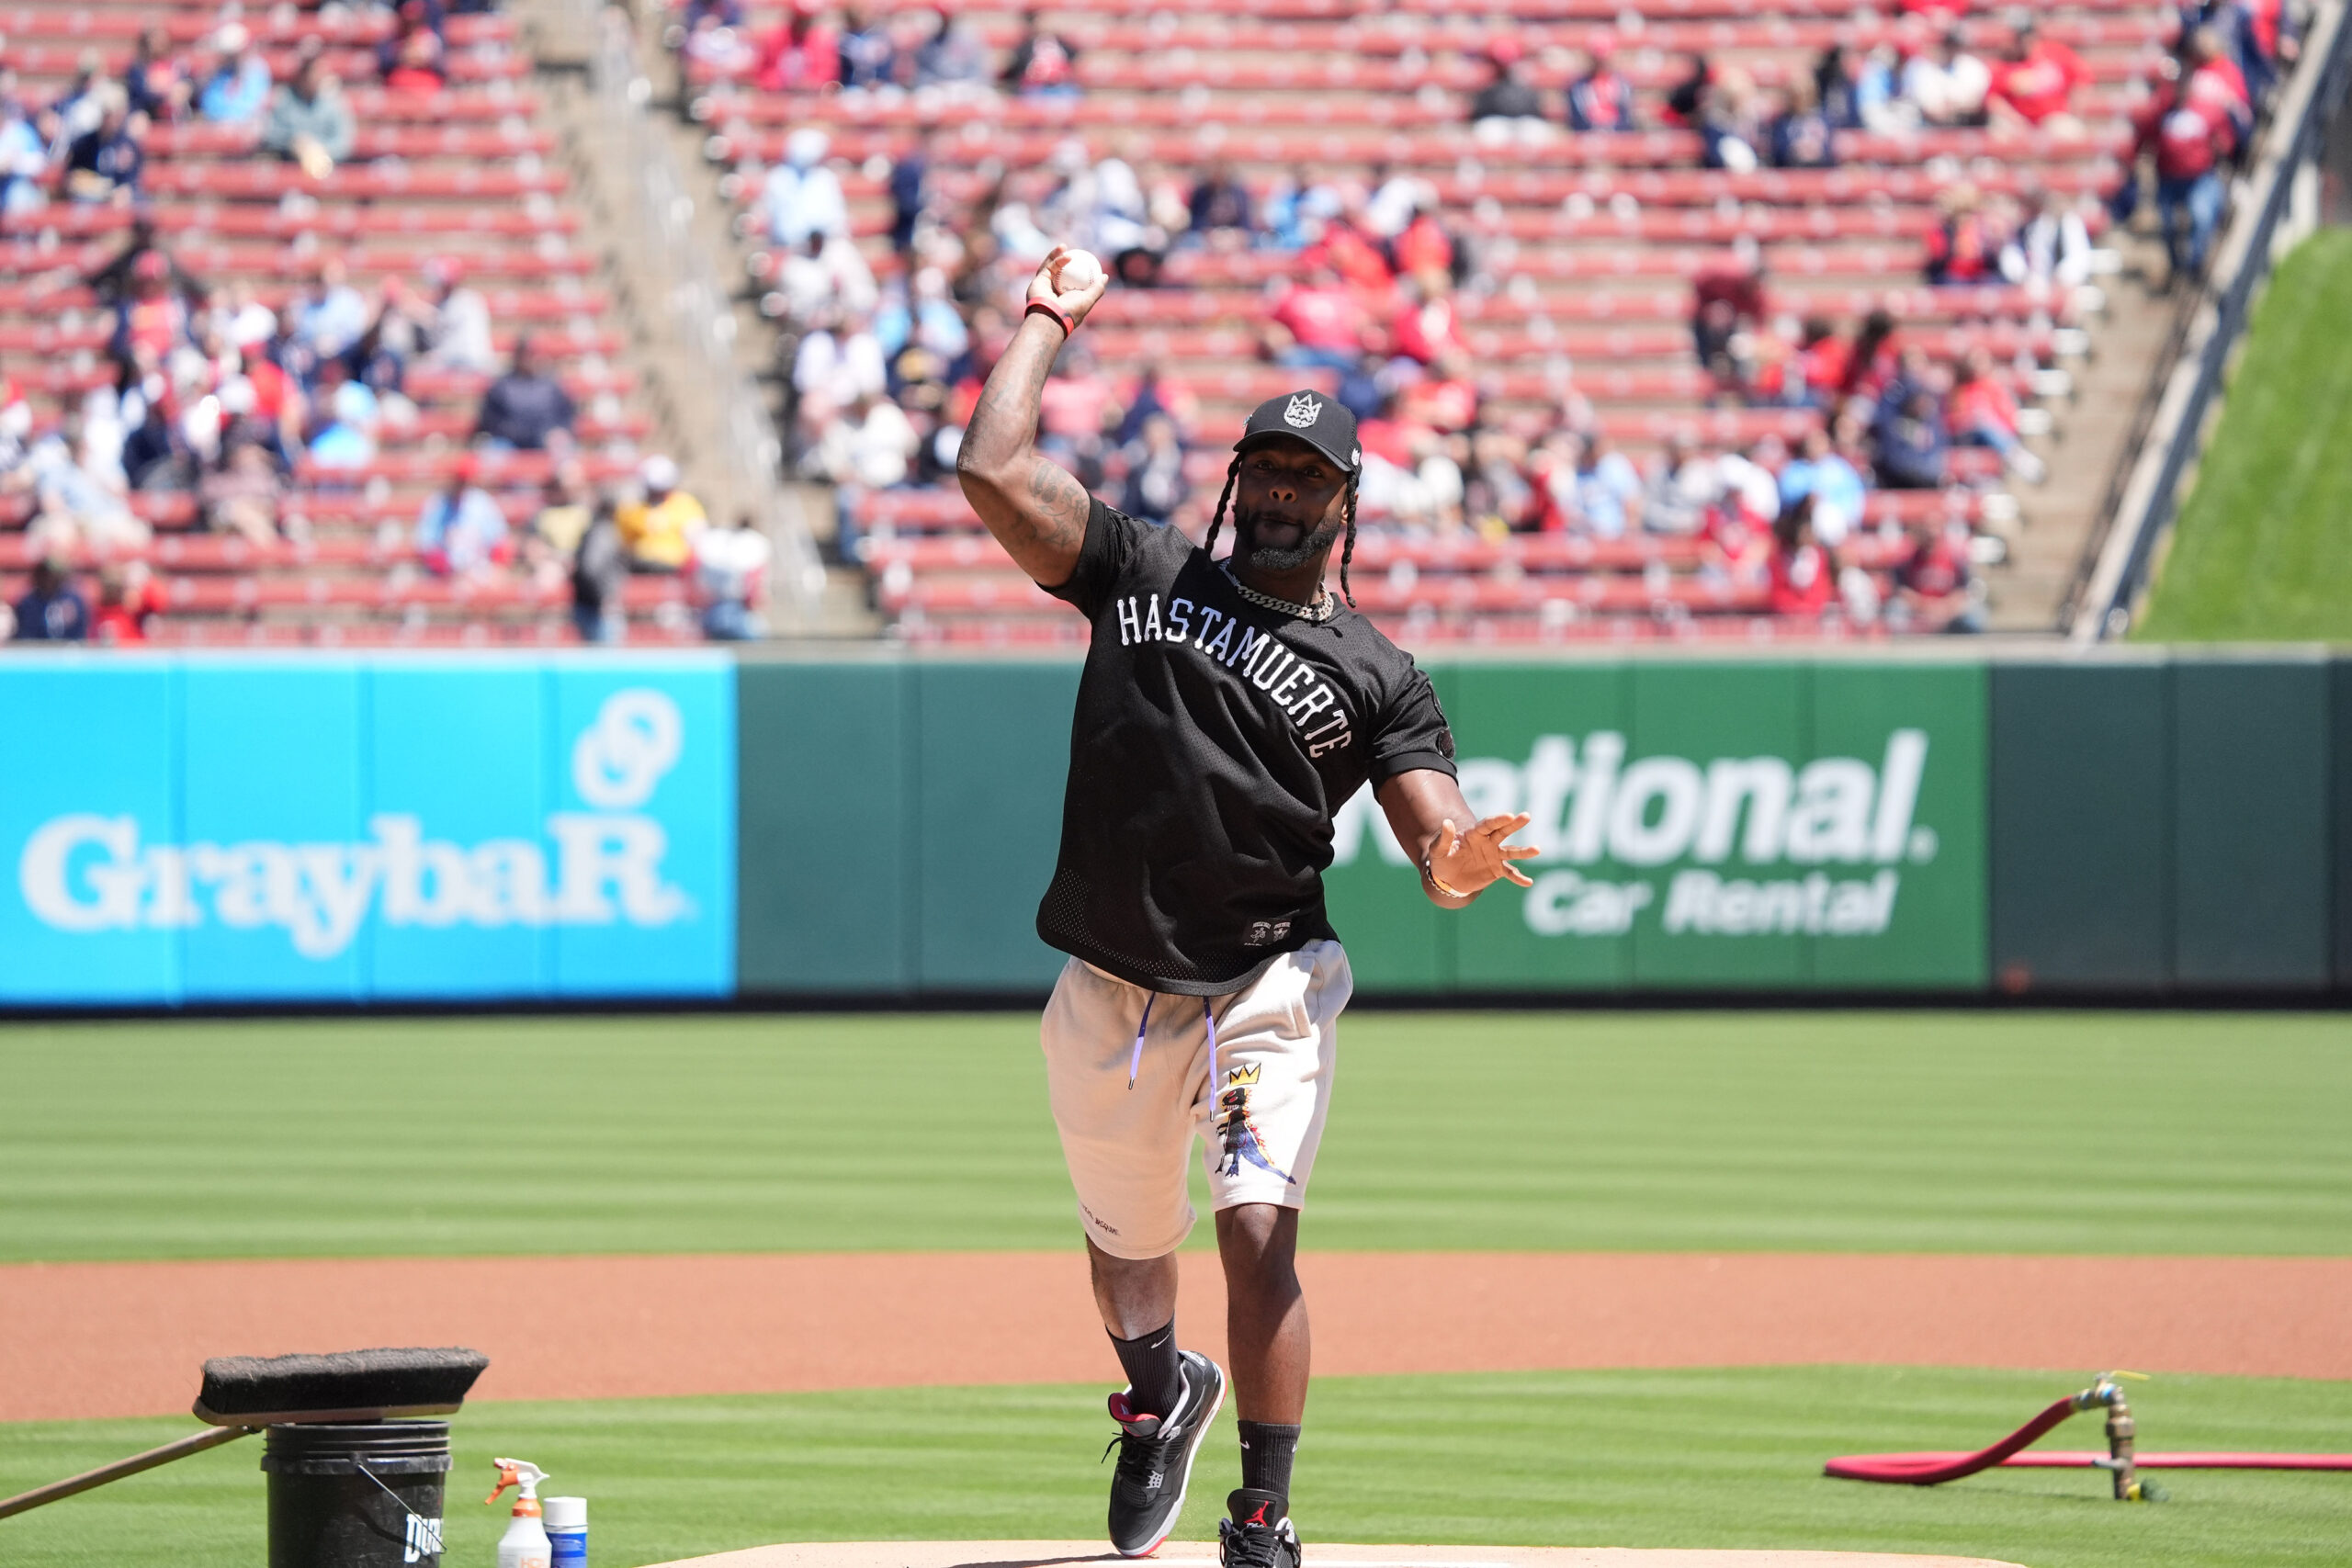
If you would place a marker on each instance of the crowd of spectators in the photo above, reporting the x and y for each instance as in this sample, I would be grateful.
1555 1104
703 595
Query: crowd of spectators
883 370
245 407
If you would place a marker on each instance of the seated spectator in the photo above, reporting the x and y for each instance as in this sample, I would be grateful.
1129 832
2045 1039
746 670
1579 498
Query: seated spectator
1425 249
1837 88
1043 64
416 63
24 157
51 609
828 270
1686 97
839 361
310 122
1219 212
1822 359
1801 136
245 496
801 195
462 531
2051 247
1351 250
117 280
1909 446
1682 487
1317 325
526 408
156 83
1506 108
802 51
330 315
869 445
1936 588
1444 401
1872 360
1983 412
867 57
102 164
1726 304
236 87
1833 484
1155 486
1601 99
1731 133
459 336
951 57
2033 82
551 539
1608 489
1963 246
1803 577
659 528
398 334
348 438
2264 35
1947 84
730 578
1099 205
922 318
600 578
78 497
1428 327
911 188
126 602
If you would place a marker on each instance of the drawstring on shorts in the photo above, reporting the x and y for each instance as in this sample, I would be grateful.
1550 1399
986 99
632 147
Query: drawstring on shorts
1208 1017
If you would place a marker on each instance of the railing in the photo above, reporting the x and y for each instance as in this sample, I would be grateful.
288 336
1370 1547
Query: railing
701 315
2169 439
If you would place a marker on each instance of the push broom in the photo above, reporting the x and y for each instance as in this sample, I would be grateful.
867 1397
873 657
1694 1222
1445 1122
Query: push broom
242 1394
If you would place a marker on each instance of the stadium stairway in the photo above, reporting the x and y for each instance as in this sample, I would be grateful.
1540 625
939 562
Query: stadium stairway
1595 239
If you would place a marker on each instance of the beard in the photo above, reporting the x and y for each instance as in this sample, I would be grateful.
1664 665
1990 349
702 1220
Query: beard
1311 545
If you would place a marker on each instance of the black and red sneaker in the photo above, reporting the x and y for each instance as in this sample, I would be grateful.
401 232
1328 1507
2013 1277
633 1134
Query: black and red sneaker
1257 1533
1155 1459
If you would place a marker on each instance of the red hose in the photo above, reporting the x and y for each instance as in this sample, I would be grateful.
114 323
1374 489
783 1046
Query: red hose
1932 1469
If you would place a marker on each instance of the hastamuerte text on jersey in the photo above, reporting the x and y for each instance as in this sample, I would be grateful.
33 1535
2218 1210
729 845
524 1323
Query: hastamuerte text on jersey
1213 741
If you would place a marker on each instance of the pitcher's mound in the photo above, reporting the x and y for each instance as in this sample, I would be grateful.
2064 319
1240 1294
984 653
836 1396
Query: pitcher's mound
1199 1555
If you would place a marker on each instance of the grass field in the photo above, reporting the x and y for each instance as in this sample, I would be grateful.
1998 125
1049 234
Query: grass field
1650 1459
1840 1132
2264 548
2163 1133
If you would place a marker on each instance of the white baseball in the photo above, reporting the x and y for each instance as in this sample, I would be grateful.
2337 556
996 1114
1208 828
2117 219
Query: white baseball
1079 272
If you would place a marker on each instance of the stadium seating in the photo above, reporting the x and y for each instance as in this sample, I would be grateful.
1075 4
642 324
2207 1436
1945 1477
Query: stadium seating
1594 240
464 175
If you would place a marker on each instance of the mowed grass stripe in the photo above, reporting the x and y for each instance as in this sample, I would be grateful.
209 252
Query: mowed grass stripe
2082 1133
1690 1459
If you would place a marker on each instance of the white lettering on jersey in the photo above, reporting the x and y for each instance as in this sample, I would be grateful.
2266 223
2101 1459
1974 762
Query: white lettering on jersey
1304 698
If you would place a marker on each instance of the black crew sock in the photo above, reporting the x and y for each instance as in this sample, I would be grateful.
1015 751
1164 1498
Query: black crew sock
1266 1453
1155 1376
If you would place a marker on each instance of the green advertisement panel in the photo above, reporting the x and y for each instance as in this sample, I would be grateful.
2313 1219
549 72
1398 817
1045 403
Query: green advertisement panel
1752 826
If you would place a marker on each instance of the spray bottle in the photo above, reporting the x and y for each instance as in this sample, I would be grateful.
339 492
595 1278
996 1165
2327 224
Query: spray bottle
525 1544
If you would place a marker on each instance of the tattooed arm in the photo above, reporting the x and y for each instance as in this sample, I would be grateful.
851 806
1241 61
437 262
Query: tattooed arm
1034 509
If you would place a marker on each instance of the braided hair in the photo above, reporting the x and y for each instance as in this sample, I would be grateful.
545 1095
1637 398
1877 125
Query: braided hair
1347 551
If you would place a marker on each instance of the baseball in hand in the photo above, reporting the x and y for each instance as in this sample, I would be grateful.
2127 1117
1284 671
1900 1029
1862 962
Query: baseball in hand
1079 272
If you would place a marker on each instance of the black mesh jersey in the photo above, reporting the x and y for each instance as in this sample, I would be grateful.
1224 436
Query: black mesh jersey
1212 742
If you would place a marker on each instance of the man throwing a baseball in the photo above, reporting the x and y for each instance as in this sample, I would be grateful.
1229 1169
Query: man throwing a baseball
1227 710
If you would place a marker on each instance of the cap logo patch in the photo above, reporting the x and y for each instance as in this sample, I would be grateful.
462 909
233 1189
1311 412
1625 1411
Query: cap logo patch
1303 412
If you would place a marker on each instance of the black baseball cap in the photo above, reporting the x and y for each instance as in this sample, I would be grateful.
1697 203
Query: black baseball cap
1317 418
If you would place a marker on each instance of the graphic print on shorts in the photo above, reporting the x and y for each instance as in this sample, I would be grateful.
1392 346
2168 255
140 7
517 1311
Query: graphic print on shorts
1241 1139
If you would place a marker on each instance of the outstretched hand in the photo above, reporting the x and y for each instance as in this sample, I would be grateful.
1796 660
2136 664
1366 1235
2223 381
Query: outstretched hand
1075 302
1467 862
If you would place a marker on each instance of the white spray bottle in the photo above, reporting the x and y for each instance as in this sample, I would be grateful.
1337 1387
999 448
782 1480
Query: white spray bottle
525 1544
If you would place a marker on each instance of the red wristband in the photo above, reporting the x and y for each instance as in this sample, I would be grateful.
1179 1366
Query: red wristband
1047 308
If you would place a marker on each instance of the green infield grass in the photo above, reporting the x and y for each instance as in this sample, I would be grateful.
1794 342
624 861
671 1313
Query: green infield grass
2264 548
1725 1459
2114 1132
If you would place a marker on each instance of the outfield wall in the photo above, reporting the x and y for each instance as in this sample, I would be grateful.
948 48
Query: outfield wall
221 831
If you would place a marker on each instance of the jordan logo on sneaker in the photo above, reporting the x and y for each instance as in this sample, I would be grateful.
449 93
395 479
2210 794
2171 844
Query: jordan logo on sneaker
1260 1517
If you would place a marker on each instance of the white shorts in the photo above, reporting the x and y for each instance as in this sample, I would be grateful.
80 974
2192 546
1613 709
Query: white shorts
1258 1103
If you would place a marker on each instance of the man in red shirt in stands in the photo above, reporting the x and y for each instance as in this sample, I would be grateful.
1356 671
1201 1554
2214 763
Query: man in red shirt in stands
1318 325
2033 81
2191 133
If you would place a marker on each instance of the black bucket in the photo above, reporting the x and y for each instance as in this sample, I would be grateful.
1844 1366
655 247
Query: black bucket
363 1494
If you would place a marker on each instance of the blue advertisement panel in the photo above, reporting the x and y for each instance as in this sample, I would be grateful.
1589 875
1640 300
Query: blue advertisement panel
89 811
341 830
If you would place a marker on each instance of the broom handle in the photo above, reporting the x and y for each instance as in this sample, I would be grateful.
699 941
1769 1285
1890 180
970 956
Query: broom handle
195 1442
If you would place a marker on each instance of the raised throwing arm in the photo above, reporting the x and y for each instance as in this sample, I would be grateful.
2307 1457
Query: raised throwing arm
1460 856
1036 511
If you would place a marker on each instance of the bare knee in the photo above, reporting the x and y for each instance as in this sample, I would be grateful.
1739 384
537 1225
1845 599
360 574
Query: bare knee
1259 1243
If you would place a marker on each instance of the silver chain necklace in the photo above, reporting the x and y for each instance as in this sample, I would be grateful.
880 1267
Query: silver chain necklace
1322 610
